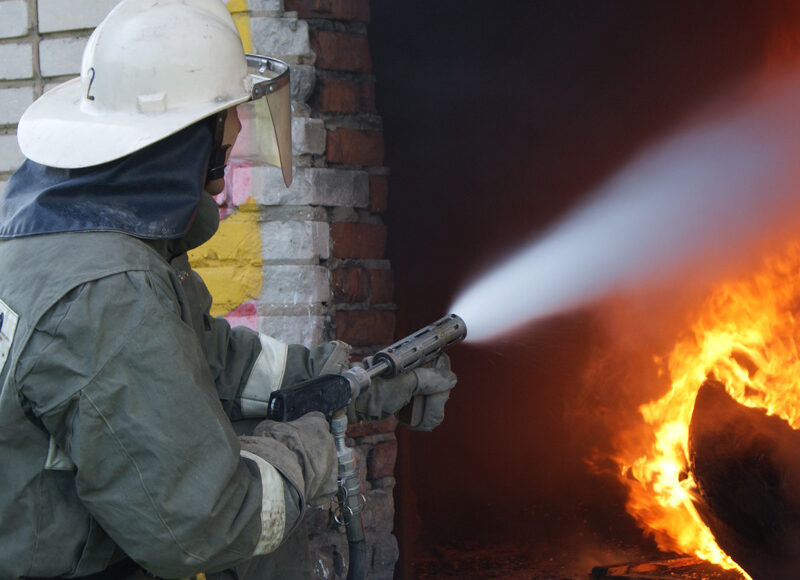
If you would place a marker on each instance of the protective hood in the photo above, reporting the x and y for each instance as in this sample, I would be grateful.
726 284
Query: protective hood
154 193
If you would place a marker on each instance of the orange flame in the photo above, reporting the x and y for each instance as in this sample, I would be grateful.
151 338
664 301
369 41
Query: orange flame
745 338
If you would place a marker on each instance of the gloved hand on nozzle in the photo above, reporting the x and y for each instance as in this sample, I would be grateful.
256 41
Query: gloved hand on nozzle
386 397
303 451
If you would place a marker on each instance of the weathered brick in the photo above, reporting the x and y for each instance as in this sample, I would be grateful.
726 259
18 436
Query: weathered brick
51 85
13 102
233 282
384 483
10 155
264 5
56 15
341 51
360 458
245 314
365 327
295 285
281 37
308 136
388 425
310 186
304 79
13 19
306 330
61 56
357 240
16 61
378 515
381 286
381 460
350 285
357 10
355 147
385 553
328 549
378 193
295 240
344 96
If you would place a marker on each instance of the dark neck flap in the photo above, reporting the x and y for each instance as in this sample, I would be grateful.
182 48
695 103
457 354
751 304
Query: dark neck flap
153 193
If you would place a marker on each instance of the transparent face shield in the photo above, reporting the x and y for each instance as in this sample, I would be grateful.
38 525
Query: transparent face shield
266 134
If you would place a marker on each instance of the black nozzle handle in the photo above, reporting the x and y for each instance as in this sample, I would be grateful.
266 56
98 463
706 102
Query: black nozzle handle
326 393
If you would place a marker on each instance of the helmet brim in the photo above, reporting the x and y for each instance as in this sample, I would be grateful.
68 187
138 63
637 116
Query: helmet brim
56 132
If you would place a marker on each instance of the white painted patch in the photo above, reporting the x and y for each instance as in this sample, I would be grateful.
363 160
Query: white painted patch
8 326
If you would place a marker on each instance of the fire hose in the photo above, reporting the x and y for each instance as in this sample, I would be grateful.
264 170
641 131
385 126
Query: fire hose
331 394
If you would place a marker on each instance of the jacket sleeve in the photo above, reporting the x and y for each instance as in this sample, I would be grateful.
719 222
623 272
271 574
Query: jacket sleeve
121 383
246 366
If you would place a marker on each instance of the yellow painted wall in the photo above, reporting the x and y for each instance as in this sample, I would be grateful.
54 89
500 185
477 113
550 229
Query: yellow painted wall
238 9
230 263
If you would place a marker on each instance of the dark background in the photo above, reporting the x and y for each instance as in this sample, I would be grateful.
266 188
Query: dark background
498 118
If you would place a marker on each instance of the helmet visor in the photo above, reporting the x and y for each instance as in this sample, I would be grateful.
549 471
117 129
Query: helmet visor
266 119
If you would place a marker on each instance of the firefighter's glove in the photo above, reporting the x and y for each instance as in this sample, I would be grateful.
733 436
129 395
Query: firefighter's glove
385 397
305 442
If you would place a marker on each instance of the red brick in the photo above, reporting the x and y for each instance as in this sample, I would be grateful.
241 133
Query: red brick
365 327
342 96
341 51
381 460
378 193
381 285
350 285
357 10
355 240
354 147
388 425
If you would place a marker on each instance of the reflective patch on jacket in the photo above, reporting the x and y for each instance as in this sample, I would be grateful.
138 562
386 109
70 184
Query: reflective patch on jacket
266 376
273 509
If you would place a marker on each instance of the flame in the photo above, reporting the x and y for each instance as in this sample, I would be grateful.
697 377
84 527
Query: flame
744 336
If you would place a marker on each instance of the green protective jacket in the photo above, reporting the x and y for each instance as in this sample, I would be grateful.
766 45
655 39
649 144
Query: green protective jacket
119 398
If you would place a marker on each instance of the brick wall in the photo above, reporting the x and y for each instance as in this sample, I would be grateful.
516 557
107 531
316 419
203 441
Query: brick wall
361 311
305 264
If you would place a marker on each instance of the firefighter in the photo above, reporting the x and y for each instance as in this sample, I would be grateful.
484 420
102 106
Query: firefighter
131 424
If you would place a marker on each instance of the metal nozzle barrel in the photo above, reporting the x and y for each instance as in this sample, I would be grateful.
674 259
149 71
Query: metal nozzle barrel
421 347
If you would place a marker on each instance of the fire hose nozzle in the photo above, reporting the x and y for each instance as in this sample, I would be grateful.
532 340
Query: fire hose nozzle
415 350
332 393
419 348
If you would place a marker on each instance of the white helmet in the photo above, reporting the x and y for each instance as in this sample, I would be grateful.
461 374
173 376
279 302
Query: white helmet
150 69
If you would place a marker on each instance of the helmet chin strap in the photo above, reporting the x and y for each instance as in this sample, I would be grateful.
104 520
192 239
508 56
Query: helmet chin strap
216 161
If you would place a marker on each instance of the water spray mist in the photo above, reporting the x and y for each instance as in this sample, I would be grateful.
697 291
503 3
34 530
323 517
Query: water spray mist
700 194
